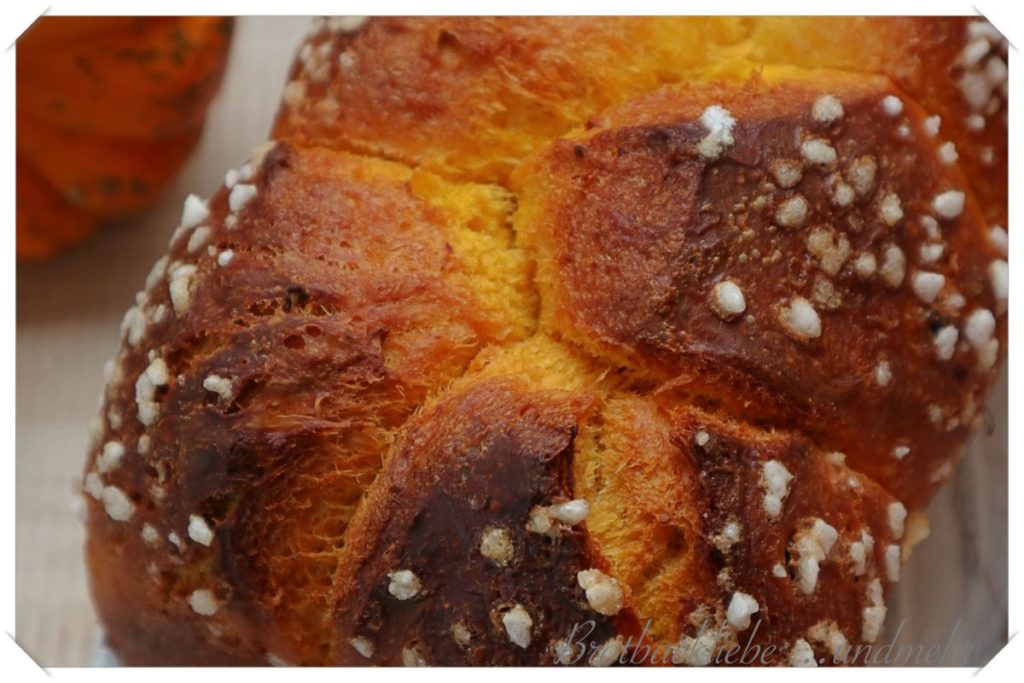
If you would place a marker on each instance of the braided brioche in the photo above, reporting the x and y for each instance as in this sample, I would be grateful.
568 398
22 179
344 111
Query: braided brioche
565 341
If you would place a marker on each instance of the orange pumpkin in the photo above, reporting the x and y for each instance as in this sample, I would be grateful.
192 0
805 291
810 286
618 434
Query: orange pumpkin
108 109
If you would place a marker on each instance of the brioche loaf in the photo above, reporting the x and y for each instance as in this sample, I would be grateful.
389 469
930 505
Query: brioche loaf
562 340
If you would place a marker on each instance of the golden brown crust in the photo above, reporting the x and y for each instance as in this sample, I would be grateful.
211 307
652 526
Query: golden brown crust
337 315
677 515
630 269
468 97
241 358
954 67
679 503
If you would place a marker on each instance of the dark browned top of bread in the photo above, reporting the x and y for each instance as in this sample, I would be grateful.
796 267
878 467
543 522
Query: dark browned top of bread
324 311
452 506
678 499
634 229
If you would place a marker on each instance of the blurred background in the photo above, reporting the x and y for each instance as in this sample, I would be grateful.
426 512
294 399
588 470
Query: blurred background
953 591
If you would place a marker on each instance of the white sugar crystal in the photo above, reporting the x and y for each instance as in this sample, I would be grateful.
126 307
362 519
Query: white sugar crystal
830 250
861 174
150 535
219 385
892 105
134 325
179 287
194 212
362 645
786 172
157 272
998 238
931 252
792 213
203 602
829 634
859 551
93 485
413 657
897 515
730 536
518 625
110 458
979 330
727 300
404 584
843 194
945 342
719 124
975 88
892 563
800 319
802 655
818 152
974 51
894 265
603 592
240 196
927 285
999 278
462 635
198 238
199 531
890 209
117 504
865 264
571 512
947 153
775 479
827 109
883 374
874 613
225 257
741 607
996 71
949 204
546 519
496 545
810 548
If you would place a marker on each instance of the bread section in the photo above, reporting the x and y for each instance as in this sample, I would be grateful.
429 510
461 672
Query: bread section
668 326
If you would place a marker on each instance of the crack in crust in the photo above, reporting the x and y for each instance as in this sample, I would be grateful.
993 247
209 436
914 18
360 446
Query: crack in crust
630 271
491 454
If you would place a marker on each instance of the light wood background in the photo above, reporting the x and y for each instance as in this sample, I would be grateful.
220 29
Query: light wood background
67 326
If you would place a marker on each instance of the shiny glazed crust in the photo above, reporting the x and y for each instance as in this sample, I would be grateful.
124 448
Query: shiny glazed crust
561 341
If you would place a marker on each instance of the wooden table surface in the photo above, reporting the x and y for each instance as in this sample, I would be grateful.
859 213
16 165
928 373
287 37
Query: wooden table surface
67 326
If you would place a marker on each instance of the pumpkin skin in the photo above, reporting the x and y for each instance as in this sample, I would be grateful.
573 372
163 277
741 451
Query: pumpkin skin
108 110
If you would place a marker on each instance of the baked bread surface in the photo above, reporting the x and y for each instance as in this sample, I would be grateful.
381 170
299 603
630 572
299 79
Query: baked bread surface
667 329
